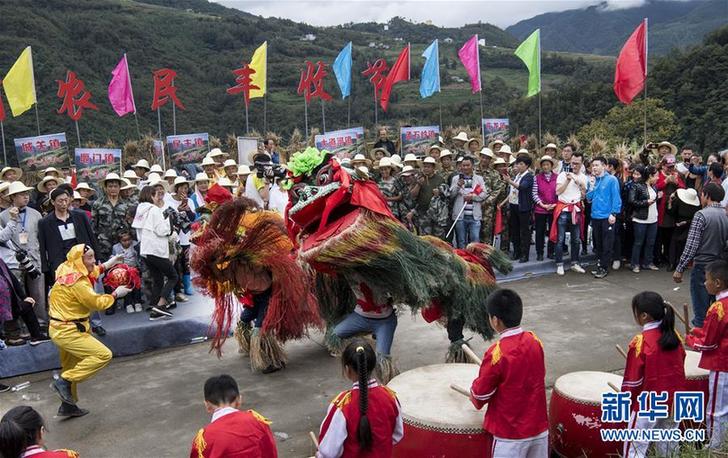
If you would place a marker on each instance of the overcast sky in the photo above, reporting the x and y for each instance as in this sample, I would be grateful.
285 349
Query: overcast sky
442 13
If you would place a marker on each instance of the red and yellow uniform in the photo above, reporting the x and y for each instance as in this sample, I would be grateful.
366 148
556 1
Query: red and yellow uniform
712 342
338 431
36 451
72 299
235 434
512 382
650 368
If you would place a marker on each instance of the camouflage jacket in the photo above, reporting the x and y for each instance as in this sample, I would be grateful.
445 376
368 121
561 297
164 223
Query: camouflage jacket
496 187
108 221
439 211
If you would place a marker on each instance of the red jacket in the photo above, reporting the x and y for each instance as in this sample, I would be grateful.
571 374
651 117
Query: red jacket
511 382
712 339
36 451
235 435
661 185
338 430
650 368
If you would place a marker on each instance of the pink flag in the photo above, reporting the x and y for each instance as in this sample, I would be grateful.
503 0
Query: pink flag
121 95
468 55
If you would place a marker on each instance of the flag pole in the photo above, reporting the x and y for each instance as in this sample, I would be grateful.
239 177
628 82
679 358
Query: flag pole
376 110
247 126
78 134
131 88
440 102
265 96
159 125
348 113
480 80
136 120
174 116
323 115
539 92
305 116
2 134
644 125
37 120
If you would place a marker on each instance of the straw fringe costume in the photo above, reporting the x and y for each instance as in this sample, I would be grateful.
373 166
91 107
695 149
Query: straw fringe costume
345 231
72 299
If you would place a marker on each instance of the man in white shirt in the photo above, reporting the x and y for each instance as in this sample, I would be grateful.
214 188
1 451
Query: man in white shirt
569 213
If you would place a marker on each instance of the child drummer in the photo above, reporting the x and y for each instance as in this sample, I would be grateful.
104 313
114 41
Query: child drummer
511 382
712 341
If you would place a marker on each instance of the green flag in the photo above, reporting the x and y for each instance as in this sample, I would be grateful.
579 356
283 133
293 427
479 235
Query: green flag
530 53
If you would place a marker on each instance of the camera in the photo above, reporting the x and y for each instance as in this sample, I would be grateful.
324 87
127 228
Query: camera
179 220
26 264
269 170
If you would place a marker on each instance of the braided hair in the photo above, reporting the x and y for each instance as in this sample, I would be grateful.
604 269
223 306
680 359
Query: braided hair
654 305
360 356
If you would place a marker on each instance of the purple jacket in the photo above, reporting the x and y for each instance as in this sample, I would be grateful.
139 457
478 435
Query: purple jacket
544 191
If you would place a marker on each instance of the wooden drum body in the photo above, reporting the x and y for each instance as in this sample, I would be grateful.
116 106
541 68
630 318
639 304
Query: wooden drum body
439 422
575 415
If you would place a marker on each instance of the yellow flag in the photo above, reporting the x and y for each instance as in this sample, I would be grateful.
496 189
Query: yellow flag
19 84
259 63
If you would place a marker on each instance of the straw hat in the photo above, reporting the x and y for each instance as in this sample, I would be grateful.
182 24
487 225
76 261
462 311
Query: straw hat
410 158
126 184
473 140
41 185
462 136
142 163
16 187
429 160
546 157
255 153
437 147
445 153
522 151
156 168
18 172
385 162
51 170
215 152
499 161
243 170
230 163
408 170
4 185
207 160
110 177
225 182
85 186
551 146
130 175
202 176
383 150
170 173
155 180
505 149
673 148
396 161
487 152
77 196
497 142
180 181
360 159
511 160
689 196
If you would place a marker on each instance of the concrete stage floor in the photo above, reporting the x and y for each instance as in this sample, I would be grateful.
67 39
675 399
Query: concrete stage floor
150 405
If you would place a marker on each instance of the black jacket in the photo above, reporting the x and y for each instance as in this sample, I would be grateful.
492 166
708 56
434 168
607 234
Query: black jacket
52 254
639 200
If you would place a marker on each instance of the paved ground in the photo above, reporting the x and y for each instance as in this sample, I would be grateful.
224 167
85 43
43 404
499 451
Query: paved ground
151 405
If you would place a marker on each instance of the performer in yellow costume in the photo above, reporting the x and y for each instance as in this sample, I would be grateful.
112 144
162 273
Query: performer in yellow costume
72 299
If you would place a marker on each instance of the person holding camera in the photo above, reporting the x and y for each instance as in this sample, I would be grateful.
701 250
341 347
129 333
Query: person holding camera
154 230
468 191
263 187
184 209
21 252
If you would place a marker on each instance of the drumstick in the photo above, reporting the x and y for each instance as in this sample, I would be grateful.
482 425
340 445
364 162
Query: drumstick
687 320
621 352
313 439
471 354
460 390
612 386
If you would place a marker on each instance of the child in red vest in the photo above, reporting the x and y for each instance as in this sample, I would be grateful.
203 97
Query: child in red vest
21 435
231 432
365 421
712 341
655 362
511 382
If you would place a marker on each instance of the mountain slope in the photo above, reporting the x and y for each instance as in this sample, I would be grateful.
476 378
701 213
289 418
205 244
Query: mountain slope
599 30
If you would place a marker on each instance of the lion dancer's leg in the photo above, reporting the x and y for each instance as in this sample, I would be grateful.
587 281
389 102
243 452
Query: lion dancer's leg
455 353
266 353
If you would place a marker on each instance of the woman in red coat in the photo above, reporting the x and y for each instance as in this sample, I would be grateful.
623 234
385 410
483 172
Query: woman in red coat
668 181
21 435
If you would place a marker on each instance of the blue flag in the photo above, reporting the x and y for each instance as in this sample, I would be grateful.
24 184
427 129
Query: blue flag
430 79
342 70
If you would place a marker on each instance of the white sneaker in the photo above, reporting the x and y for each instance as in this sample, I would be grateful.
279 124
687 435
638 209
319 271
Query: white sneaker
180 297
129 308
560 269
137 308
636 270
616 265
578 269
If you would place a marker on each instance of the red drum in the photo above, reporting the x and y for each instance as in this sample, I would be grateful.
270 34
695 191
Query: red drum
575 415
439 422
697 378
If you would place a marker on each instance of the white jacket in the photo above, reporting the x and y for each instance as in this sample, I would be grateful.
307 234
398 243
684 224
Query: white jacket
153 230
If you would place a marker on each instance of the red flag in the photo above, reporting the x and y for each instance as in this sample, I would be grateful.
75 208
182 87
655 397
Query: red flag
477 189
631 71
400 71
2 108
498 227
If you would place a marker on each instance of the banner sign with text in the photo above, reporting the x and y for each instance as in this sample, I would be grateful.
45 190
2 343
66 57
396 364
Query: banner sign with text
417 140
187 149
93 164
38 153
495 129
343 143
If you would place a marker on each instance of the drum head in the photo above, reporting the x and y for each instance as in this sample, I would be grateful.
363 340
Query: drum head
587 386
428 401
692 358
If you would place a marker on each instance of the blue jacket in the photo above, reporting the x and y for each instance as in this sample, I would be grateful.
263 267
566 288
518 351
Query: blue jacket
604 197
525 193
